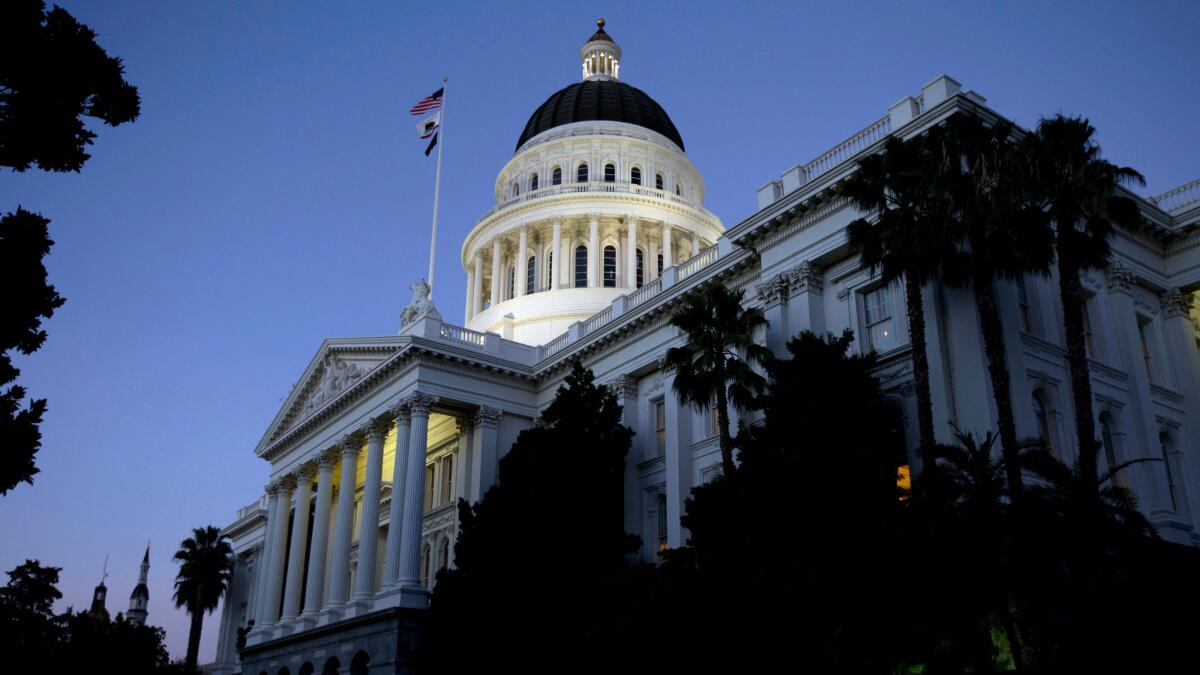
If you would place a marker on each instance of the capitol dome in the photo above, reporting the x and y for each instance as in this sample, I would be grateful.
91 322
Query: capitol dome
596 203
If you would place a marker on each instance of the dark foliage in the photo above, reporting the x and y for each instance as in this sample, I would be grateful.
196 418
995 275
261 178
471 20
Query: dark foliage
52 73
205 569
34 639
24 241
517 603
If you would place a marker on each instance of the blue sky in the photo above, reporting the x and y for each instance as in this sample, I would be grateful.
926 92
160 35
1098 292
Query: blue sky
274 193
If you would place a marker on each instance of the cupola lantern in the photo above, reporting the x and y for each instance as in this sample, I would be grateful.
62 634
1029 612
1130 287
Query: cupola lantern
601 56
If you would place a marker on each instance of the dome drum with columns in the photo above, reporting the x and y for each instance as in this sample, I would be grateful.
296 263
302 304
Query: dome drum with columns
597 201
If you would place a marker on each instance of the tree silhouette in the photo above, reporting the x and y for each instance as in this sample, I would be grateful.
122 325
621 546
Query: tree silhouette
715 367
206 567
52 73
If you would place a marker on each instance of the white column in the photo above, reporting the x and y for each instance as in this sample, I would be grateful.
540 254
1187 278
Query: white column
320 539
477 289
278 551
631 254
339 568
368 532
496 271
521 264
666 246
652 262
297 552
264 562
556 259
678 460
484 451
695 245
391 557
594 275
414 492
470 299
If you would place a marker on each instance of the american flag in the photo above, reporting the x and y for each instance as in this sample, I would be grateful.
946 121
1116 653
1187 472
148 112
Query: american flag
430 102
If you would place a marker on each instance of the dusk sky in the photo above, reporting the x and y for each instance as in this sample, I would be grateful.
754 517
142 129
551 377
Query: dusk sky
274 193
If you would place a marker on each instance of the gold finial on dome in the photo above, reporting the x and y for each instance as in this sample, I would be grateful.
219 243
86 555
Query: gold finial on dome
600 23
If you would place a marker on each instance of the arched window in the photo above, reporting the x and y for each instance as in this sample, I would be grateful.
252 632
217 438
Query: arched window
635 176
610 173
556 176
332 664
307 668
530 274
360 664
660 507
445 561
640 275
1164 441
610 266
549 270
512 282
581 261
533 182
1042 417
679 189
658 181
581 174
660 259
516 189
1109 448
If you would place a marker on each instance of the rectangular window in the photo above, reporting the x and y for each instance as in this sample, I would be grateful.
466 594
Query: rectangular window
1089 342
879 328
430 486
660 428
1023 304
1144 339
447 469
714 426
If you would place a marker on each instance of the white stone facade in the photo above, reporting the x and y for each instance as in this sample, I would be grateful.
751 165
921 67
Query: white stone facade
391 430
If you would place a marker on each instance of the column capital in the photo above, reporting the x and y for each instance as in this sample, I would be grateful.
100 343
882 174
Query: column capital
287 483
273 488
1176 303
487 417
419 403
305 471
805 277
1120 277
593 219
556 221
465 422
631 219
401 411
326 460
377 428
624 386
772 291
351 444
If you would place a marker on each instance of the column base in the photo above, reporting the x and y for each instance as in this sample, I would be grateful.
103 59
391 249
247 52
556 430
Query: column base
358 606
402 596
260 634
308 619
286 626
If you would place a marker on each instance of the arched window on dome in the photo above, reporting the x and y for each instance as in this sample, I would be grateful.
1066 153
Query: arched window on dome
581 174
533 182
556 176
640 266
531 275
581 262
679 189
635 176
549 269
516 189
610 266
610 173
658 181
660 260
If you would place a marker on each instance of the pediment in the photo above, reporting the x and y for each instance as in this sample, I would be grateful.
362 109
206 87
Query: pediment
337 366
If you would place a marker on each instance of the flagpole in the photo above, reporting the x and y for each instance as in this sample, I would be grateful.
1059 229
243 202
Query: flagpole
437 184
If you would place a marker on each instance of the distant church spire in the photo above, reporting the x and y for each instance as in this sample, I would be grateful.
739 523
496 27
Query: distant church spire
141 594
601 56
98 609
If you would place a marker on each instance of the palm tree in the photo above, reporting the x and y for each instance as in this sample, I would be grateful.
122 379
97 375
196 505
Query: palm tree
716 365
904 241
1001 233
205 569
1078 190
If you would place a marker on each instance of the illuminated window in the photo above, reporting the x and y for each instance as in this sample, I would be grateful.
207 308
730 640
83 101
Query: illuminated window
877 315
610 267
714 422
639 268
530 274
430 486
533 182
610 173
658 181
581 262
1023 304
635 176
581 174
447 470
556 176
661 509
660 428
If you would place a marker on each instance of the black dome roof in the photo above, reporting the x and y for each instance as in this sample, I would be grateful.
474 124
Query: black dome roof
610 100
